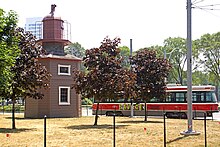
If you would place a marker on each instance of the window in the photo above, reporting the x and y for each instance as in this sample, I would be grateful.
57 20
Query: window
198 97
170 97
202 96
208 97
63 69
180 97
64 95
194 97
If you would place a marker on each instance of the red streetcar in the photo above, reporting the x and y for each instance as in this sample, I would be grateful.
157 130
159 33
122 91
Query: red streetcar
174 105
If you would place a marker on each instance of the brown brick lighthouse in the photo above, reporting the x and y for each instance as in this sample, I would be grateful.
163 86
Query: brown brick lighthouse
59 100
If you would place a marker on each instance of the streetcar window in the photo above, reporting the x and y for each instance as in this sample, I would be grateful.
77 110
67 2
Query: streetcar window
157 100
198 97
170 97
153 100
194 97
120 100
180 97
108 100
208 97
214 98
203 97
211 97
138 100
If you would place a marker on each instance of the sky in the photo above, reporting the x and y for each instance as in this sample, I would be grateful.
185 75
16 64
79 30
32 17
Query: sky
146 22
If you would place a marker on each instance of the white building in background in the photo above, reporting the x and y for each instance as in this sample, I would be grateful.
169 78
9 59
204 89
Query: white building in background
34 25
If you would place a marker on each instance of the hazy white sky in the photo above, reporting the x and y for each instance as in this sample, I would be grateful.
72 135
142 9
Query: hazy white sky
147 22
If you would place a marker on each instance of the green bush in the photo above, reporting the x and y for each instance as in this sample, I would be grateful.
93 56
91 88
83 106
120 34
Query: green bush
86 101
18 108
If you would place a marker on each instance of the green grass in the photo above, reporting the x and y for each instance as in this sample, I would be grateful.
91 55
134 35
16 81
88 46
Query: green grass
80 132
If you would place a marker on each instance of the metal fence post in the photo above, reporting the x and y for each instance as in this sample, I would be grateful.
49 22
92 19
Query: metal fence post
164 129
45 127
114 130
114 114
205 128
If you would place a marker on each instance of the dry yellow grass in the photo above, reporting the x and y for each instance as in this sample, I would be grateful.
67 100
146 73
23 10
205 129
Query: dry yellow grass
80 132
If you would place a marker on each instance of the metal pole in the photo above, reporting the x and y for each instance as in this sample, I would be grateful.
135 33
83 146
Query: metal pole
130 47
145 111
165 54
132 108
114 130
164 130
205 128
45 118
189 71
114 144
165 57
189 66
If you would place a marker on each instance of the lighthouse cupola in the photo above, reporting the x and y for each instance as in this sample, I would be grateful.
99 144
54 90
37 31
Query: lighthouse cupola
54 39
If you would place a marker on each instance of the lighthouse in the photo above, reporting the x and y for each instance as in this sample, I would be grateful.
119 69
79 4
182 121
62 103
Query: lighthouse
60 100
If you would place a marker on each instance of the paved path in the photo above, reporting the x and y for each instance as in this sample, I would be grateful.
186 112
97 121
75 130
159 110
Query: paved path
216 116
88 112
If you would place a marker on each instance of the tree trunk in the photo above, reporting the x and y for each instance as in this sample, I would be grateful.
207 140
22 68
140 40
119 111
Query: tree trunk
13 112
145 111
96 115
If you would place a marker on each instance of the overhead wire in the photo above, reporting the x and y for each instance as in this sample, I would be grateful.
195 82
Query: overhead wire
207 8
194 2
212 5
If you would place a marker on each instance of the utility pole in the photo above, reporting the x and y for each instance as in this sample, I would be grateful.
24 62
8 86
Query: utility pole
132 108
189 71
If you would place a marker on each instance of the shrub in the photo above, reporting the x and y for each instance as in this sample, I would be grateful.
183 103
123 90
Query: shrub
86 101
9 108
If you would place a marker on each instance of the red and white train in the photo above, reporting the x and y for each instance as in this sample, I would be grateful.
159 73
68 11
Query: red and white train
174 105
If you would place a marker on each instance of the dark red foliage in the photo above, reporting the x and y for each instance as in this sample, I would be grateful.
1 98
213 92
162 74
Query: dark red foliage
151 73
105 77
29 74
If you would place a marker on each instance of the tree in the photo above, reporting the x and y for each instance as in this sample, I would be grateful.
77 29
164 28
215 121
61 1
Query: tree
209 46
75 49
160 51
151 73
200 78
175 50
28 75
105 77
8 47
125 53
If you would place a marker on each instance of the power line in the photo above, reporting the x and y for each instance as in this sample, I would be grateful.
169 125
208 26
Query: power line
207 8
208 11
194 2
212 5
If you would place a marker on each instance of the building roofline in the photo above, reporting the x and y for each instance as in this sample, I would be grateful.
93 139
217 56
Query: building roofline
67 57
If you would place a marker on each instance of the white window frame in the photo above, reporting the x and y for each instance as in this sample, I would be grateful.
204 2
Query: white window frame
60 73
68 95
